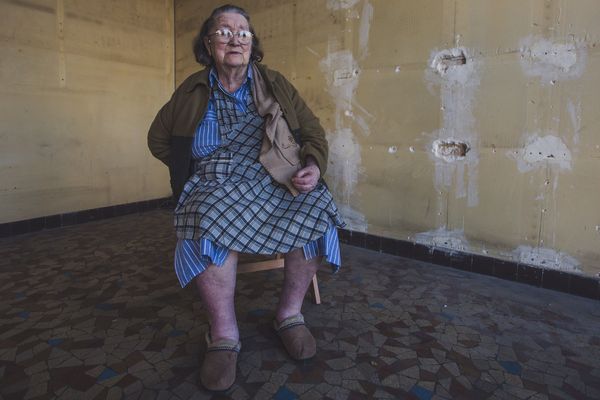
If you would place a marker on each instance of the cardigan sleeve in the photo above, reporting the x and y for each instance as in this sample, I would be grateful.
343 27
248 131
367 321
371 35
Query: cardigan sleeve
159 134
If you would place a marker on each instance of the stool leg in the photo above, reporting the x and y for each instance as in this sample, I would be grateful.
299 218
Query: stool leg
316 294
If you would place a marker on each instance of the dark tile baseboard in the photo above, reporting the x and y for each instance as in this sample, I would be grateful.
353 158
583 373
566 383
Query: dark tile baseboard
509 270
79 217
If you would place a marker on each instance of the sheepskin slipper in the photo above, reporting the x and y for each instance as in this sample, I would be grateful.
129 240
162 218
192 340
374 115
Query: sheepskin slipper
297 339
218 369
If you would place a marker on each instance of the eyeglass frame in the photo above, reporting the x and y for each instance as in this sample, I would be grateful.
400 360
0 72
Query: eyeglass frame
221 33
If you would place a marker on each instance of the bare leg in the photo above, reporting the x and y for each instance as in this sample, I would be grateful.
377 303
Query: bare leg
216 286
298 274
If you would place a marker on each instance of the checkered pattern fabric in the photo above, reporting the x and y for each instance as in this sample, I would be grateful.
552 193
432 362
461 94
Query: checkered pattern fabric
233 201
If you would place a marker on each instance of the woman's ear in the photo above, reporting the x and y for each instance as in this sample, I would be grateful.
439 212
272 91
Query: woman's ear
207 45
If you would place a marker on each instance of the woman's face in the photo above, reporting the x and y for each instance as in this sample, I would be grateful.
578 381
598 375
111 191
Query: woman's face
231 54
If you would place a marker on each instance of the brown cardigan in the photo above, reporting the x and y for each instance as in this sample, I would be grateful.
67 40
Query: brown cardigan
171 134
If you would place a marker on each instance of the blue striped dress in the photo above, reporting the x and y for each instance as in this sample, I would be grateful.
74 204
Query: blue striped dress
192 257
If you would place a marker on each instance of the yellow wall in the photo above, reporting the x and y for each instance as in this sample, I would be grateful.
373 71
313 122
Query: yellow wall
525 103
80 82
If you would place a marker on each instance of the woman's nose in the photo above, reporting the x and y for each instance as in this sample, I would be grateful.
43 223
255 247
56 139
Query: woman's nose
235 40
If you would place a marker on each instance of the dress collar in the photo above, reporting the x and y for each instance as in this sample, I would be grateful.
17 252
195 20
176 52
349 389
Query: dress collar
213 77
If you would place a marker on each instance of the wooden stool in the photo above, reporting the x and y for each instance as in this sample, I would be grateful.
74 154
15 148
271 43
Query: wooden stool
252 263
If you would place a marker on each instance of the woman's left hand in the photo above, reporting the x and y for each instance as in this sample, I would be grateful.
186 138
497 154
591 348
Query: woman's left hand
307 178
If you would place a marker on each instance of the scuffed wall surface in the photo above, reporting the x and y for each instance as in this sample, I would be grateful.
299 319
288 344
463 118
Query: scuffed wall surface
80 82
465 124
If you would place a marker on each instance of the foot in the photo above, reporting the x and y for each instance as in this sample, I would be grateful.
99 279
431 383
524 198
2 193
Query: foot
297 339
219 366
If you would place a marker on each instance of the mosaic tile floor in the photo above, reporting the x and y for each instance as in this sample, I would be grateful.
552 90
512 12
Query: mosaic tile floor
93 311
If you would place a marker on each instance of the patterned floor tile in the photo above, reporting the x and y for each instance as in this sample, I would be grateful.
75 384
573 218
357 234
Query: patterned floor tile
94 311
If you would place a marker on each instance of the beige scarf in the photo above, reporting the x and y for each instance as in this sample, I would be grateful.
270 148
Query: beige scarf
279 154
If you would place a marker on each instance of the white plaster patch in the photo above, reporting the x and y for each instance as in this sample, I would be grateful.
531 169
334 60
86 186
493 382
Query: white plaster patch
341 71
342 75
450 149
366 17
540 151
448 60
456 73
575 115
546 258
355 221
345 162
543 58
311 51
453 65
362 118
341 4
363 110
362 123
444 239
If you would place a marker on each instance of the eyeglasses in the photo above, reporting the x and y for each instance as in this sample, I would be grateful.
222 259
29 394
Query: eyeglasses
225 35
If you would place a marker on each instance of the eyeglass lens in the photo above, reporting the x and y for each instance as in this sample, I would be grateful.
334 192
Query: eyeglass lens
225 35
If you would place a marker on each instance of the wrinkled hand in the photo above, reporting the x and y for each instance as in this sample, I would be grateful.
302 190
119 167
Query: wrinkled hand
307 178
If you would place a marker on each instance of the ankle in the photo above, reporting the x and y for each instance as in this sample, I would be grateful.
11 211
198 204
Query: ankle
220 333
281 316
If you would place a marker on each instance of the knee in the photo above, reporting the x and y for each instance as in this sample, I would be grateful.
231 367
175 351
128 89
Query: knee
295 258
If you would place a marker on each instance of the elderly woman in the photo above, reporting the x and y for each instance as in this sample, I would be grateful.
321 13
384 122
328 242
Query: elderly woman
245 155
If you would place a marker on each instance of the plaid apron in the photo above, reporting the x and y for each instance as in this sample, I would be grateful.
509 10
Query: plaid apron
233 201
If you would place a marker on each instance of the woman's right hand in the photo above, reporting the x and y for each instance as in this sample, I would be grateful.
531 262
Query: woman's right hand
306 179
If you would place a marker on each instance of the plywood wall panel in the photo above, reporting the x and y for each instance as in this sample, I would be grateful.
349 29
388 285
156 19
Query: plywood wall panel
398 108
111 41
502 100
40 15
578 18
572 214
78 93
394 31
576 116
508 213
495 27
417 206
